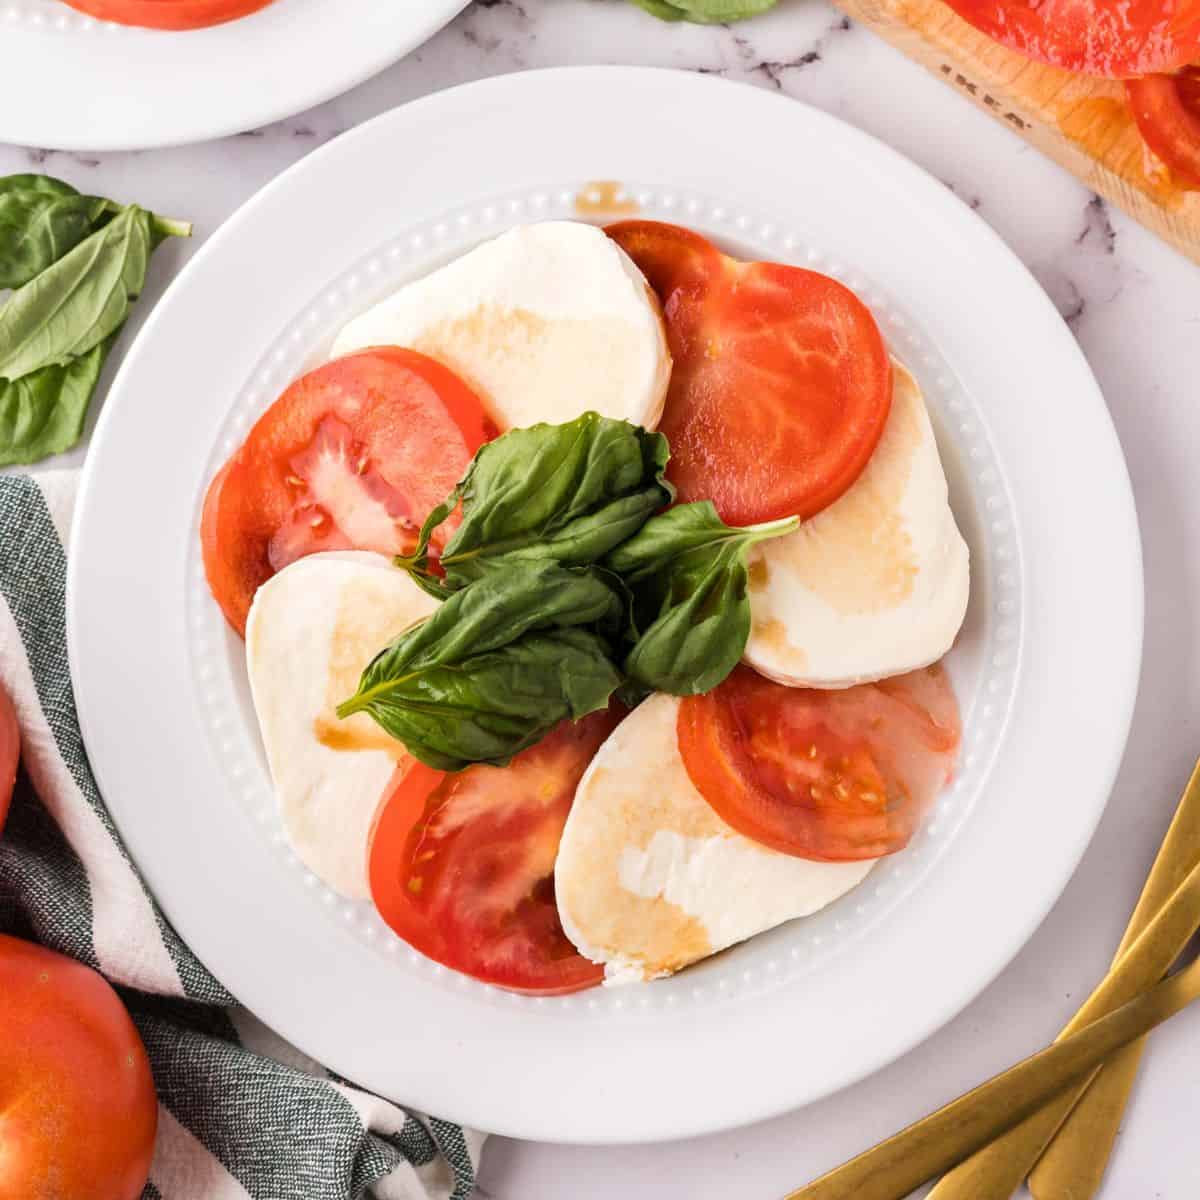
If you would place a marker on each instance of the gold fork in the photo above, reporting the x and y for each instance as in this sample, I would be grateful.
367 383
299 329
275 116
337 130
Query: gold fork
1019 1111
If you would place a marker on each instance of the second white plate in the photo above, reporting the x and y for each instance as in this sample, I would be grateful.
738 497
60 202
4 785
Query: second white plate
1046 666
70 82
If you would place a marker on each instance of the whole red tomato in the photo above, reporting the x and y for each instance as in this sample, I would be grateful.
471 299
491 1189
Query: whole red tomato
10 745
78 1112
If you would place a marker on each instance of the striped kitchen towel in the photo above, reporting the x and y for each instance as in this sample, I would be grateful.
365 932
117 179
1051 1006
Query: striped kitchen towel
241 1113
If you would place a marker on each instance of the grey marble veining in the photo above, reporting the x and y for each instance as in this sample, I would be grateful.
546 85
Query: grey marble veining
1134 306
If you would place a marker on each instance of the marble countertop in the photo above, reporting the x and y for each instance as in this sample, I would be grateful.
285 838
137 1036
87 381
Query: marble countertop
1133 304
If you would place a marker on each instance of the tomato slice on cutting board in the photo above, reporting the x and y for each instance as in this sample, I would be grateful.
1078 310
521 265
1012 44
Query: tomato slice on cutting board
781 385
462 866
831 775
1110 38
352 456
10 749
1167 111
169 14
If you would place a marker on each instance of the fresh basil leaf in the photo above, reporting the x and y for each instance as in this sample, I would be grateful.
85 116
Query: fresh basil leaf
702 627
661 9
71 307
57 328
553 493
722 12
505 606
493 705
41 219
45 184
496 667
687 571
705 12
43 413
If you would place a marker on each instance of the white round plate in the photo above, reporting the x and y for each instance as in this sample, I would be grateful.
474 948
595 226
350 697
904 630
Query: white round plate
1046 666
70 82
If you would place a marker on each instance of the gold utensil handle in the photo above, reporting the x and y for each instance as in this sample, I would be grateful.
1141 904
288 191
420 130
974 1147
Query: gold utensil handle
1072 1167
997 1171
915 1155
1074 1163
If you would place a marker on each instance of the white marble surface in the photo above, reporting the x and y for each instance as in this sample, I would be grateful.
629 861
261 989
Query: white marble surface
1135 307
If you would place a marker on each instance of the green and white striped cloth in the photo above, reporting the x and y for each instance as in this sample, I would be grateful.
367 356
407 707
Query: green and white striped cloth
241 1113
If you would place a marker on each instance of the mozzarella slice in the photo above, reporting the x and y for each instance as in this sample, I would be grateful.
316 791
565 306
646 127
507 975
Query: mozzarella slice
544 322
650 879
311 630
877 583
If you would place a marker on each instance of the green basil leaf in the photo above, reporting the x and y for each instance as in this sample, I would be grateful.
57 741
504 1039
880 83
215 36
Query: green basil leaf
553 493
41 219
721 12
687 571
503 607
661 9
45 184
43 413
84 298
497 666
705 12
57 328
493 705
703 624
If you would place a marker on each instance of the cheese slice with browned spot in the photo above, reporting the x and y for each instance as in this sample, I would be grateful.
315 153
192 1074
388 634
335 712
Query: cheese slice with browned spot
312 629
650 879
544 322
877 583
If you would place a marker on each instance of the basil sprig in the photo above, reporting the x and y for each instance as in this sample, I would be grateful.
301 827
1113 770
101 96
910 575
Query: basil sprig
567 581
496 666
687 573
550 493
78 264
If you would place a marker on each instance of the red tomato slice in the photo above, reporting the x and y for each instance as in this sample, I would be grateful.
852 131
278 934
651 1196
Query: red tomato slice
830 775
1110 38
462 866
781 385
10 749
1167 111
169 14
352 456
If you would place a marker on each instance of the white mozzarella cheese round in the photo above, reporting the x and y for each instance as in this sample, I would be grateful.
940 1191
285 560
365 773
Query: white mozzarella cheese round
544 322
876 584
311 631
650 879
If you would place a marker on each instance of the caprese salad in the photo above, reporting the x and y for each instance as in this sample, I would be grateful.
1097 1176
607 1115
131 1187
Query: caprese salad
1152 45
594 595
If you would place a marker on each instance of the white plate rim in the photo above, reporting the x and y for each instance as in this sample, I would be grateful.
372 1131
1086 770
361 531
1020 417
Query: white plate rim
280 61
606 1121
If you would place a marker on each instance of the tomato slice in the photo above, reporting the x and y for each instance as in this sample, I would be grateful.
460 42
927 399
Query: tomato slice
782 383
352 456
169 14
10 749
1167 111
1110 38
462 866
829 775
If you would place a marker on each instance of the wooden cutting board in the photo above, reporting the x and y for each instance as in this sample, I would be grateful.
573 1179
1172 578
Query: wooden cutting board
1084 124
